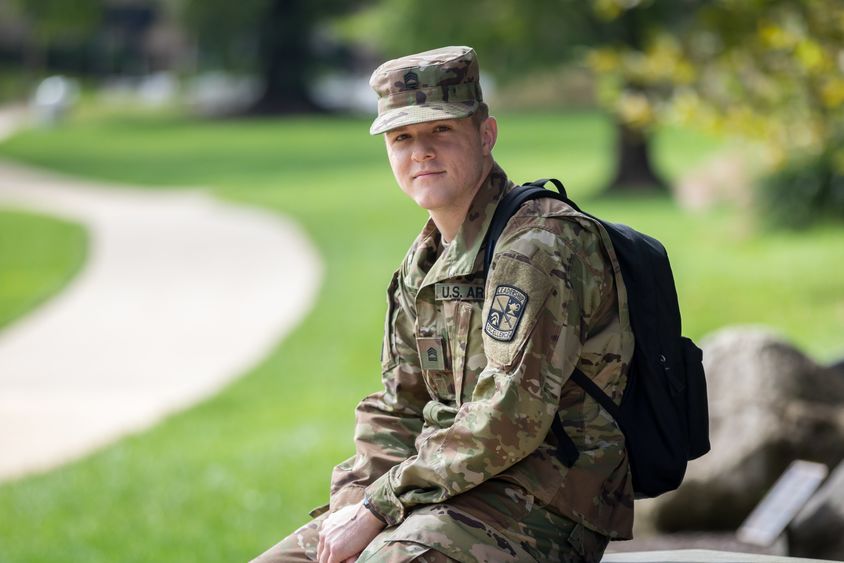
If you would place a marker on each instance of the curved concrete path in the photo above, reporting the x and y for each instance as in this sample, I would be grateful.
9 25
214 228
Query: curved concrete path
180 294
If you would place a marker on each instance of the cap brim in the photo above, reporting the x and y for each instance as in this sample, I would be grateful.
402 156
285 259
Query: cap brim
410 115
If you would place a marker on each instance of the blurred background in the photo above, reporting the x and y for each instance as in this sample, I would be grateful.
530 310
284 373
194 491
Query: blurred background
716 126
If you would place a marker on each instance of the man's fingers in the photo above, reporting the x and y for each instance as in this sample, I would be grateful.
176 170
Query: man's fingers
320 548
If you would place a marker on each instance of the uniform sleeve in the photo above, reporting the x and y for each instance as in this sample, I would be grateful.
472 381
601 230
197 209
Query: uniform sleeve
533 319
387 422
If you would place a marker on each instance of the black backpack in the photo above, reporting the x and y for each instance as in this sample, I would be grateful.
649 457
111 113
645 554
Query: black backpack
663 413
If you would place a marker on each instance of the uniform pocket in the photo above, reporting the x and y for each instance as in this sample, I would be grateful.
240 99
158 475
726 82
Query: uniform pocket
481 524
460 347
389 354
589 545
697 406
435 363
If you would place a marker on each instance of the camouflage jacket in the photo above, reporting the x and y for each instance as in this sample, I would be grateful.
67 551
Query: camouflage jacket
474 373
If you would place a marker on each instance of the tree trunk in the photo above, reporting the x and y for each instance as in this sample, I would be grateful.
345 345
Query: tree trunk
286 59
34 56
633 171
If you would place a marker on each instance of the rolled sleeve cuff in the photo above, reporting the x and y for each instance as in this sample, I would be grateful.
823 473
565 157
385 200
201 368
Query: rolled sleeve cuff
346 496
383 502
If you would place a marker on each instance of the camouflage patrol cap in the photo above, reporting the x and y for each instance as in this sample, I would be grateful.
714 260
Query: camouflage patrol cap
438 84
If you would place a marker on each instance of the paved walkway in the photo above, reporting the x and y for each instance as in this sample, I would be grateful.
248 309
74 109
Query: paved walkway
180 294
12 118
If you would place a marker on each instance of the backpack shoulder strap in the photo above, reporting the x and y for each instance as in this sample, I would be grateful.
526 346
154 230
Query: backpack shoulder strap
511 203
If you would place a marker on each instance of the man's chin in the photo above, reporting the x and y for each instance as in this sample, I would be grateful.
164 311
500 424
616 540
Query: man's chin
424 199
428 204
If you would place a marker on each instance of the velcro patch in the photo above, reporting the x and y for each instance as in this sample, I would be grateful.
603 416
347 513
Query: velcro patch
508 306
431 354
458 292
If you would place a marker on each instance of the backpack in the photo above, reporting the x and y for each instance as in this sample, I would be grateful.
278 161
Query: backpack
663 412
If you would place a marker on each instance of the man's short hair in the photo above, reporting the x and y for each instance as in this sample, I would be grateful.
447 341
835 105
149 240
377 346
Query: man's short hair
481 114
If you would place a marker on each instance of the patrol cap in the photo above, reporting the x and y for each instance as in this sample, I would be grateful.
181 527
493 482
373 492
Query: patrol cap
438 84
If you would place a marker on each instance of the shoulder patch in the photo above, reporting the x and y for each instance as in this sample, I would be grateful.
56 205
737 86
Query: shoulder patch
505 312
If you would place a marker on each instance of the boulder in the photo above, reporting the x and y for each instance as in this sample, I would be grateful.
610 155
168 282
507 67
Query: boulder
816 531
769 404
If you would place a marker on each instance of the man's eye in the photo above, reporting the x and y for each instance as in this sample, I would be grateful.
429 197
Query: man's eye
400 137
441 128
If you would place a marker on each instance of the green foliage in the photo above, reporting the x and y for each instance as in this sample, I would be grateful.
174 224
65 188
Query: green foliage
513 36
224 30
38 256
226 479
275 39
230 33
14 85
509 36
55 20
769 71
802 192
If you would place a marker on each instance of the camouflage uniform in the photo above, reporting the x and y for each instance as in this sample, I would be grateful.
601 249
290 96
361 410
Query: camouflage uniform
455 452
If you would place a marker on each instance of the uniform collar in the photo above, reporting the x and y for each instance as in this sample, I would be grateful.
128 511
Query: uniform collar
460 258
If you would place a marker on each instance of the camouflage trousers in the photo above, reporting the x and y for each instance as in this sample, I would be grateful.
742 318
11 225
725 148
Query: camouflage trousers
494 522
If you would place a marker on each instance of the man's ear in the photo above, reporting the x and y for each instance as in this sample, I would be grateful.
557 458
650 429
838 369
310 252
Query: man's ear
489 134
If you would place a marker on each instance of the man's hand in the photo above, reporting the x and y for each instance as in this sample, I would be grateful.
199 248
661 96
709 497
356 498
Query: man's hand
346 533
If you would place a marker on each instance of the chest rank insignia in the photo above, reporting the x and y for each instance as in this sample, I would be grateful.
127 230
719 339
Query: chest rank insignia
431 353
508 306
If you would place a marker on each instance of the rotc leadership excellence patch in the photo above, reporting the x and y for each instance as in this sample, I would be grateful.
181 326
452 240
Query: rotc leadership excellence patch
508 305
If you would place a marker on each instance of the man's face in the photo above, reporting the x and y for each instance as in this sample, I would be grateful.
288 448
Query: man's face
440 164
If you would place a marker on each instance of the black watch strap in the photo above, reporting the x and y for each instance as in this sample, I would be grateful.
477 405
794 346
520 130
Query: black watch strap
368 504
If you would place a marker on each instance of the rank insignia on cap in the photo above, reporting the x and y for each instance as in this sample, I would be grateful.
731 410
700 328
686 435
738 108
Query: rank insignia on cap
508 306
411 80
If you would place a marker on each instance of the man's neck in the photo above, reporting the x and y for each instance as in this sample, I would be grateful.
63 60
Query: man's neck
449 221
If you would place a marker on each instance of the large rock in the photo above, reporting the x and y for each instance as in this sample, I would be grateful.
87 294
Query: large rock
817 529
769 404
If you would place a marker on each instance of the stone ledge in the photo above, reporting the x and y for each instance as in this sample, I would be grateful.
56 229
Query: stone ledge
699 556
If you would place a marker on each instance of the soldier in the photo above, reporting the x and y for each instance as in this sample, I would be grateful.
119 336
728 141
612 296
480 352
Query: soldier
454 460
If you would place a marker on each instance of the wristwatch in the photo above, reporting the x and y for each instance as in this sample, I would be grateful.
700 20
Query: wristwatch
368 504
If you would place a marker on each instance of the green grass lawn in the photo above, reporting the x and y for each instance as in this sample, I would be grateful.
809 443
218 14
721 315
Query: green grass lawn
38 256
225 479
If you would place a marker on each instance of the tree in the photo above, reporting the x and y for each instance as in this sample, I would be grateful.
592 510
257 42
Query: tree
514 36
772 71
274 38
623 32
53 21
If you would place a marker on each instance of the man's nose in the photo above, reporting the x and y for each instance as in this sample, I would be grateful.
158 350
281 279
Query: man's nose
422 150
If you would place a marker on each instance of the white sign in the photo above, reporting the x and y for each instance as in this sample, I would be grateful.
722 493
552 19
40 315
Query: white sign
782 503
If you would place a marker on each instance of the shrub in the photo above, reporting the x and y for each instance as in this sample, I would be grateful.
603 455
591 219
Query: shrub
805 191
